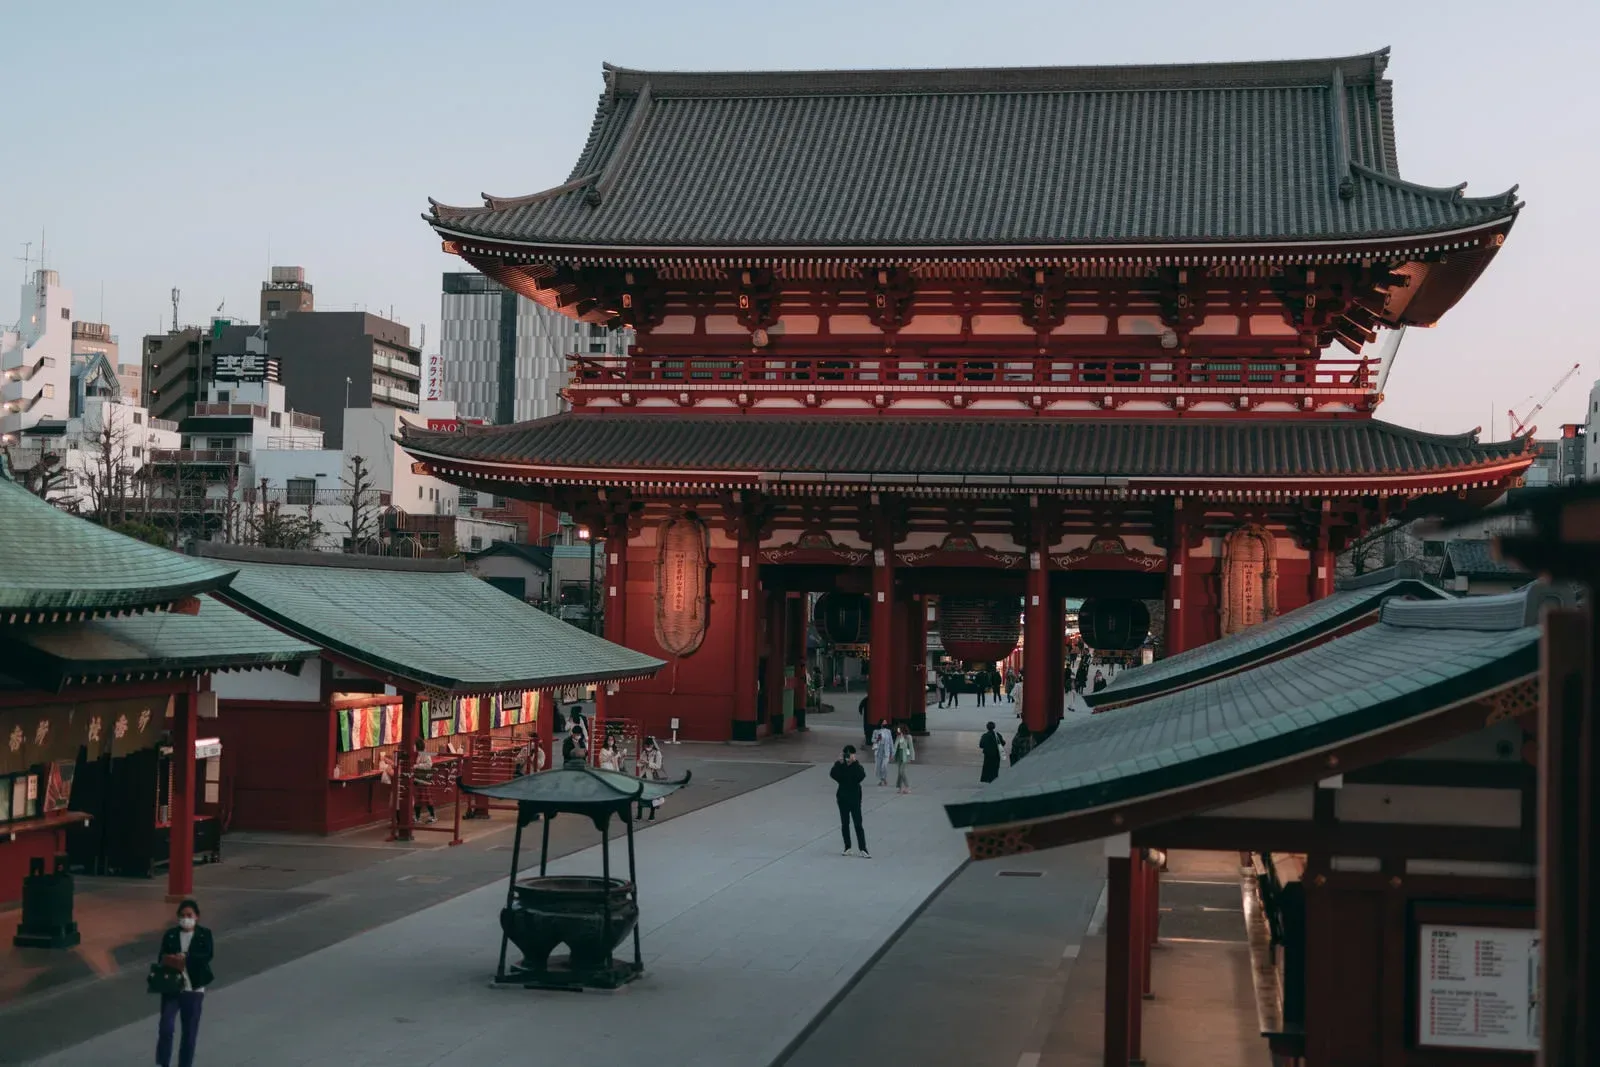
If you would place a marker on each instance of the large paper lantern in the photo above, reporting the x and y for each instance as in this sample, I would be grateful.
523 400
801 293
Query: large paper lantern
843 618
983 629
1113 625
683 585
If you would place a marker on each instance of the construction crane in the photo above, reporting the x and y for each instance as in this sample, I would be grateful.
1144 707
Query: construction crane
1522 425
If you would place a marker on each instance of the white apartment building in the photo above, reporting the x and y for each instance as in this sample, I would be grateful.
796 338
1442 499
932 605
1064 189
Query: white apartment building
36 358
1591 446
504 358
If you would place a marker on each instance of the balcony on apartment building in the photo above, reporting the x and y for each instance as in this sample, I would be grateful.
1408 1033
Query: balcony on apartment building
395 395
399 363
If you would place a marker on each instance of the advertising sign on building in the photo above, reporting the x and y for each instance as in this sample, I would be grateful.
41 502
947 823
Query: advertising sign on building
244 367
436 377
452 425
1480 988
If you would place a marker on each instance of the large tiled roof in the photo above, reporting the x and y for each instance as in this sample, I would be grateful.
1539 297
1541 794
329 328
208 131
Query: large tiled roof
1249 647
1191 154
1476 559
432 624
1420 656
218 638
980 447
56 565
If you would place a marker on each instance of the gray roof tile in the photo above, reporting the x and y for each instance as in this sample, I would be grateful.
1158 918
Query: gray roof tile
1200 153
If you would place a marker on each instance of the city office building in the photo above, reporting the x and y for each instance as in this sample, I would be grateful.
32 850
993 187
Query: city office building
503 357
333 360
285 292
36 357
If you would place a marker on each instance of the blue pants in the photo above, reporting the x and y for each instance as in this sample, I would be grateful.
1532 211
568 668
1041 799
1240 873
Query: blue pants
174 1005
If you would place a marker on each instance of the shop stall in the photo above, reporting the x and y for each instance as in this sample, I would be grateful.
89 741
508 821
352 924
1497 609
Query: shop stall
409 651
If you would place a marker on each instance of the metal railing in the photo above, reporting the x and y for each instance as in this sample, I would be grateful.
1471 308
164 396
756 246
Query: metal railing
397 365
401 396
225 457
301 420
255 411
161 424
1082 374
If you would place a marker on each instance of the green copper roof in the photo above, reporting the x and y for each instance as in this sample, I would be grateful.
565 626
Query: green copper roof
427 622
578 787
57 565
154 645
1420 656
1273 637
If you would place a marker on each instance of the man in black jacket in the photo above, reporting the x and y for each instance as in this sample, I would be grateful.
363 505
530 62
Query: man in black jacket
186 949
849 774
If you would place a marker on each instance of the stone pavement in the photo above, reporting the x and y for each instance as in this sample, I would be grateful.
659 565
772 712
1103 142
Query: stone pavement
752 922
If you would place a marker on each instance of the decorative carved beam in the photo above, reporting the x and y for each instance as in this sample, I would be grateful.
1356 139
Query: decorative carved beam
890 292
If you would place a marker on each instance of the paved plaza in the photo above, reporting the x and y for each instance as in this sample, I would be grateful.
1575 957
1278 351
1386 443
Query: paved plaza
752 923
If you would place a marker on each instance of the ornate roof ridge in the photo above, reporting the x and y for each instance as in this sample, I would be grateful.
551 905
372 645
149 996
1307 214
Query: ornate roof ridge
1364 68
1449 193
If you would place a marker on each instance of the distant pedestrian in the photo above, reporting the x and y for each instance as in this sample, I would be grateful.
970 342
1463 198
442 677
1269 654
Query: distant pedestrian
1016 695
650 765
575 747
422 784
848 775
904 752
953 683
186 950
939 686
1099 681
980 682
1082 679
609 760
995 684
882 749
866 723
1021 742
991 745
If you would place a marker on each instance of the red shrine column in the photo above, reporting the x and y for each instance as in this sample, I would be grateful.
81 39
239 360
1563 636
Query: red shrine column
1322 558
917 667
616 609
1036 657
1057 630
180 855
881 682
746 649
1177 560
405 759
1118 1037
777 653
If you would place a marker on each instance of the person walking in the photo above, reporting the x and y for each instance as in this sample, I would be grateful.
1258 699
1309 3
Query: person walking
848 775
422 784
882 749
980 682
651 765
939 686
994 683
991 744
1016 695
186 949
904 752
1082 680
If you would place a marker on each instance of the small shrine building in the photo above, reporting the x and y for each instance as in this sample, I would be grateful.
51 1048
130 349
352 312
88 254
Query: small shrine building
1116 333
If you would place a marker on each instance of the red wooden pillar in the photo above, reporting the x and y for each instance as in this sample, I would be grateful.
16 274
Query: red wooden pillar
405 788
616 621
1036 647
1322 558
917 668
746 650
1177 560
1138 953
777 654
1119 956
547 708
1152 921
1056 624
881 682
180 855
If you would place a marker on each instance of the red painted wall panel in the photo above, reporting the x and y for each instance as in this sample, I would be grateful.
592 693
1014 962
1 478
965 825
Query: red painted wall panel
276 760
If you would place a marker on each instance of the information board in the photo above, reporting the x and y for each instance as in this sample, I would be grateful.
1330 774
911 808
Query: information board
1480 988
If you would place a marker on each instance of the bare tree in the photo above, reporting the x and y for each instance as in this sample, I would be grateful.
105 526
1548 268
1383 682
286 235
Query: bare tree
274 526
107 478
362 524
46 477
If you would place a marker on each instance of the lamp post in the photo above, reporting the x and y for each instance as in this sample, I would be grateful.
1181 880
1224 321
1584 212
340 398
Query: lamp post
585 535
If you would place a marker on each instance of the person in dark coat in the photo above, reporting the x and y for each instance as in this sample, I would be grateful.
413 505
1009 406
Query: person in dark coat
1099 681
187 949
991 745
848 774
1021 742
1081 683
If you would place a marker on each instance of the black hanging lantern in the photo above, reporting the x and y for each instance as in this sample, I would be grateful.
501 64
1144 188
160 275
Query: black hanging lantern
979 629
1113 625
843 618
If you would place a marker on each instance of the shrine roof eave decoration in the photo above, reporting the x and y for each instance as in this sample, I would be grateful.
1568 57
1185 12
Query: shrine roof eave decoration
1331 709
1350 604
1042 157
423 624
1219 459
56 567
147 648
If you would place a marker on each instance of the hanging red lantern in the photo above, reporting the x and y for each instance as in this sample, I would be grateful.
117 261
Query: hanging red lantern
843 618
683 587
980 629
1113 625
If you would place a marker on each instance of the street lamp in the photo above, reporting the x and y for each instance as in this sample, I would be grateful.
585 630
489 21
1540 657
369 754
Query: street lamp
583 535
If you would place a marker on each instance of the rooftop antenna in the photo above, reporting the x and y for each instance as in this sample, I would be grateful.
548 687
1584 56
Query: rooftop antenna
26 258
174 309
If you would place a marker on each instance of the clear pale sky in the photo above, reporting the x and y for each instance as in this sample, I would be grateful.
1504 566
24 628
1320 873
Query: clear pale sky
193 144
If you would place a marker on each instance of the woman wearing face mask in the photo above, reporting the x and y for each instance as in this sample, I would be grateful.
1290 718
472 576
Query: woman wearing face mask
185 949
